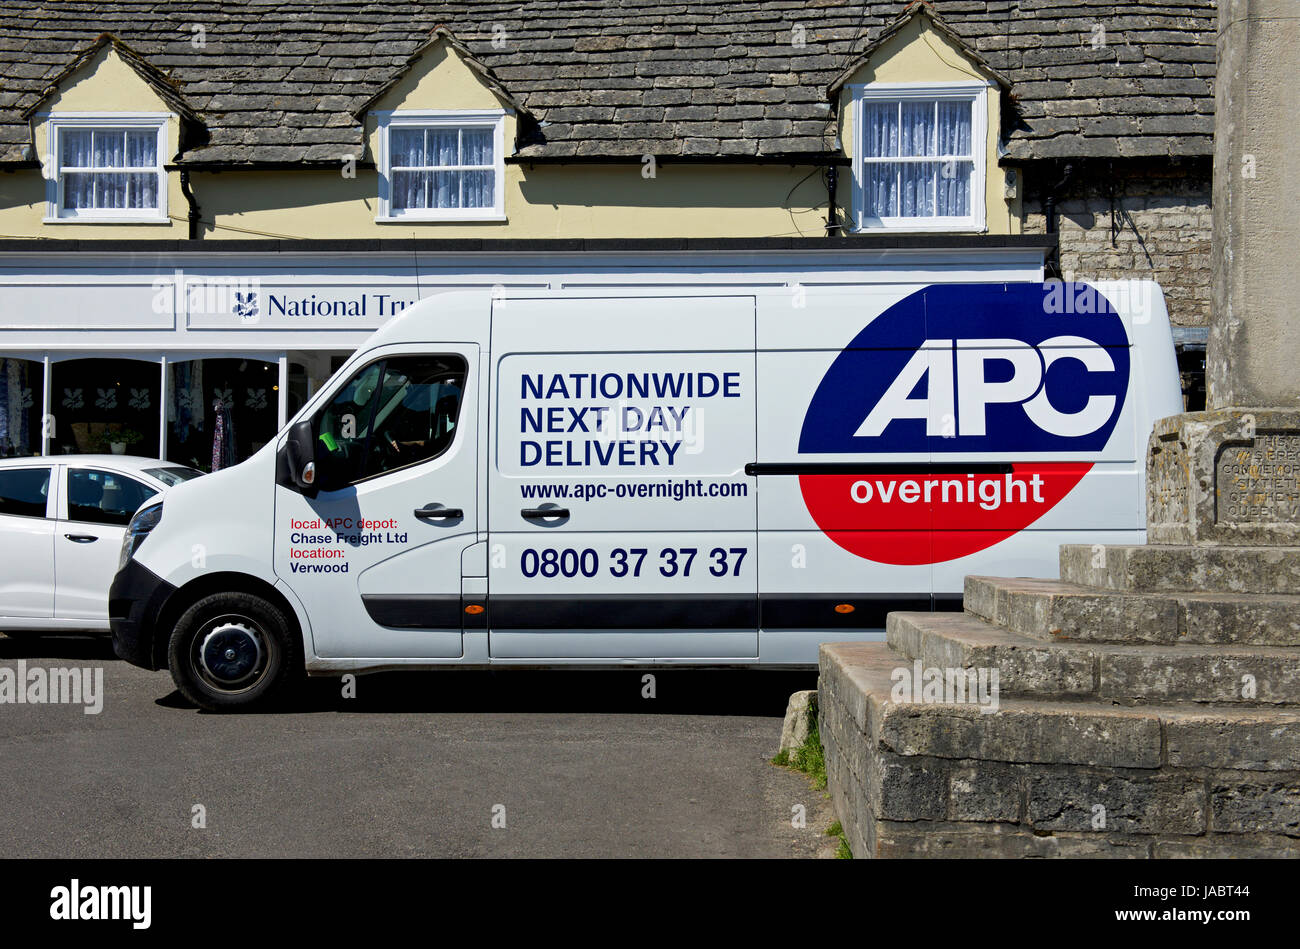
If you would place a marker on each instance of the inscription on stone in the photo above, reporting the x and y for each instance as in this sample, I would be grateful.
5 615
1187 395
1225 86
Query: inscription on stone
1260 482
1167 492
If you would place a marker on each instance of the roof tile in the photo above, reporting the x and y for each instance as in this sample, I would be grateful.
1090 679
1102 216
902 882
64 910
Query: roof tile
279 80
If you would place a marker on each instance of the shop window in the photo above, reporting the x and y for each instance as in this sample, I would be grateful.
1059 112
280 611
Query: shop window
920 157
308 371
105 406
22 384
108 168
447 166
220 411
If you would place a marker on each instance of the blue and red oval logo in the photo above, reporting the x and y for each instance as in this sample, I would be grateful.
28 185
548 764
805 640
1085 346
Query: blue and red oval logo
996 370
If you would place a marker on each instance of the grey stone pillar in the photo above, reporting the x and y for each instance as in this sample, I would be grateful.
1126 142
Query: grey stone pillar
1231 475
1254 349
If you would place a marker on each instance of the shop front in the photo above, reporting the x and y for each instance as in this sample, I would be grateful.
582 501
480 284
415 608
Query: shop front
203 410
199 355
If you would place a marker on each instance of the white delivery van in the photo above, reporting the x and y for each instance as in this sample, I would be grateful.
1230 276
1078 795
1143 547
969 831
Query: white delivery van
644 478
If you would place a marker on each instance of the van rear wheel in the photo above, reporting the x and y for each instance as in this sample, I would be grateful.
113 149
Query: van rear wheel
233 651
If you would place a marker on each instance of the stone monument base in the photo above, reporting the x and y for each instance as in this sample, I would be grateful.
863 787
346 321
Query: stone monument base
1147 705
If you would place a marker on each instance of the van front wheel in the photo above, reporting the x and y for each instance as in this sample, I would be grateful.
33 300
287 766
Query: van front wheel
233 650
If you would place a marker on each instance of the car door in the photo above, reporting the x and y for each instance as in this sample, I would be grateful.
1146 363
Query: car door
27 542
622 522
96 505
376 554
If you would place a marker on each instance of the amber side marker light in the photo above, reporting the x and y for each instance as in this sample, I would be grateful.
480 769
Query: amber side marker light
474 609
844 607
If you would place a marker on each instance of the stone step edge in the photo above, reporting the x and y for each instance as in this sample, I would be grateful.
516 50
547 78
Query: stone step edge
984 596
978 632
1170 568
1041 730
1034 667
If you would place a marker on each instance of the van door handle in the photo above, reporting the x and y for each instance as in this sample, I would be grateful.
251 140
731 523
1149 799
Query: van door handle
439 513
81 538
544 513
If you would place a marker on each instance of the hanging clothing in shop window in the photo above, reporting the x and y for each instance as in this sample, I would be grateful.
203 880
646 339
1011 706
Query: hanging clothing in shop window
4 407
223 435
185 408
16 397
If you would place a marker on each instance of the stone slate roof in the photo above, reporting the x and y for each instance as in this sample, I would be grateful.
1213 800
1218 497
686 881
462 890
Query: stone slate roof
279 81
924 12
156 79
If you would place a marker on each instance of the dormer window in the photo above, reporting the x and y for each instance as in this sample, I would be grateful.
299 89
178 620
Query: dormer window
920 155
442 166
106 168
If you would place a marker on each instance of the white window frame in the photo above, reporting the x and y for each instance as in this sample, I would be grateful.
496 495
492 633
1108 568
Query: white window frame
494 119
52 166
976 92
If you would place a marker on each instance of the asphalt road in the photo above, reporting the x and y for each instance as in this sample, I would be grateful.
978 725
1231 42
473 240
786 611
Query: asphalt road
418 764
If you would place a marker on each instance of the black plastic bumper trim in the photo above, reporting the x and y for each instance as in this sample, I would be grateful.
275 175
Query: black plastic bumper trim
620 611
399 611
135 601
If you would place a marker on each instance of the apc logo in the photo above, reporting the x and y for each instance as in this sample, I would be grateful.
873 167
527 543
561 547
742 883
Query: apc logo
963 368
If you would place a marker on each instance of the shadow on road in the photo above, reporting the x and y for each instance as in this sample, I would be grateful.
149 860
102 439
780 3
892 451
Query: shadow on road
47 646
676 692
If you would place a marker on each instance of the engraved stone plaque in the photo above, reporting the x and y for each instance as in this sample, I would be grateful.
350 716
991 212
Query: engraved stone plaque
1229 477
1259 482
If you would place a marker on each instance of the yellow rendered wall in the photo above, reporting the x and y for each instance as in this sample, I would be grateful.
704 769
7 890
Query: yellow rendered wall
541 201
544 201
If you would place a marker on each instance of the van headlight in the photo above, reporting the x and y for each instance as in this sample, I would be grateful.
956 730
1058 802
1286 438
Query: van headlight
145 520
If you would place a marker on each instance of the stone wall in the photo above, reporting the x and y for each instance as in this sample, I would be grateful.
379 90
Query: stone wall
1146 219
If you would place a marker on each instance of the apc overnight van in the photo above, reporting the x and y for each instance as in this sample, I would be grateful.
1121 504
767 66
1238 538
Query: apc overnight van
727 477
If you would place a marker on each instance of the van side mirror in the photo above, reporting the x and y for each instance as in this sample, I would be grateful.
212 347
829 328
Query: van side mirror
300 458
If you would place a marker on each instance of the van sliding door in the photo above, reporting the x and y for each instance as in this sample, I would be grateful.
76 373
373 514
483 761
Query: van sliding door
622 523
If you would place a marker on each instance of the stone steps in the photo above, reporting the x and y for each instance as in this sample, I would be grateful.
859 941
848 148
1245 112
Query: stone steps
962 641
1085 730
1122 674
1051 776
1127 568
1057 610
1147 704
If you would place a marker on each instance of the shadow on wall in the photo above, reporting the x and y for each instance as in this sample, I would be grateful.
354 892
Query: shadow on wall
22 190
675 185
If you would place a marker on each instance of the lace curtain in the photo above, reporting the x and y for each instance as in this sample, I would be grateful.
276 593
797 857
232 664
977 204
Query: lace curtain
918 129
434 168
87 154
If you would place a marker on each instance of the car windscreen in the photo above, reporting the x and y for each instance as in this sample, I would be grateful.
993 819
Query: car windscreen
173 476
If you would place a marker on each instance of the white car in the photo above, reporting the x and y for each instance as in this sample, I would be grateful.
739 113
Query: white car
62 519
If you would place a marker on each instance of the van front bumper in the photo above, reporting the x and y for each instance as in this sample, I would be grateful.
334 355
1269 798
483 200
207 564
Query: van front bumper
135 601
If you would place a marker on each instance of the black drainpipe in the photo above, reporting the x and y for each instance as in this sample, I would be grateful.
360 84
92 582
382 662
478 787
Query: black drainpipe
1053 263
832 180
193 203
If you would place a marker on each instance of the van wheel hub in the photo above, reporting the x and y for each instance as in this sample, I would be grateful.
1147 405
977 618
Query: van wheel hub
231 653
